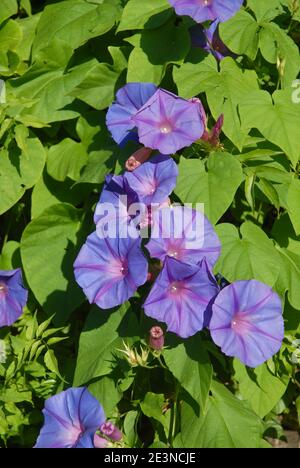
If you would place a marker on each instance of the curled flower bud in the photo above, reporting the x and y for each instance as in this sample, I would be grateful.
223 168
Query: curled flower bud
213 136
111 431
137 158
156 338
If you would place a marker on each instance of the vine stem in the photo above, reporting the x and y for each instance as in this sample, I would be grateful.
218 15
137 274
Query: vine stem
172 418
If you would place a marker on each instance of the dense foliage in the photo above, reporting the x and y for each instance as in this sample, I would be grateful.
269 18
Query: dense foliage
62 63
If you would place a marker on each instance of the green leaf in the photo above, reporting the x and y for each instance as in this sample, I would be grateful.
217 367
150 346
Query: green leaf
51 363
289 276
240 34
276 44
8 8
66 159
10 256
74 21
276 117
248 255
103 152
28 27
215 185
283 232
156 43
265 10
100 340
293 203
43 326
227 423
130 423
98 87
42 94
10 36
107 393
260 387
48 192
19 172
225 89
146 14
152 406
13 395
141 70
269 191
190 364
26 5
48 251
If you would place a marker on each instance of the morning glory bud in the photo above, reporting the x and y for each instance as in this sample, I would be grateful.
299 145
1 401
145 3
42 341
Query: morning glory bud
156 338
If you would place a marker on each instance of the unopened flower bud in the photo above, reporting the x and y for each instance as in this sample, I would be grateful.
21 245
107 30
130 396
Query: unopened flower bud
137 158
111 431
156 338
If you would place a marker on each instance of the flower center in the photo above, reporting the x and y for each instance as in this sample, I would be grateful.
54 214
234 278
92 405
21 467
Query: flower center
175 288
165 127
124 269
239 324
3 289
173 253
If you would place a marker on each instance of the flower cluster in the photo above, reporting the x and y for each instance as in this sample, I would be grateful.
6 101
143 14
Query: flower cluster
244 318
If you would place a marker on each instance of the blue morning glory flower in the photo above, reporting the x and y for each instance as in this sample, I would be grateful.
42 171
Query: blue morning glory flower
181 296
247 322
110 270
71 420
154 180
169 123
184 234
13 296
205 10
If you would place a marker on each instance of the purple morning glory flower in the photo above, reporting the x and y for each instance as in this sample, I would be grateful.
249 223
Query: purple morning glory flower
209 40
205 10
184 234
154 180
168 123
71 419
119 208
129 100
181 296
247 322
13 296
110 270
